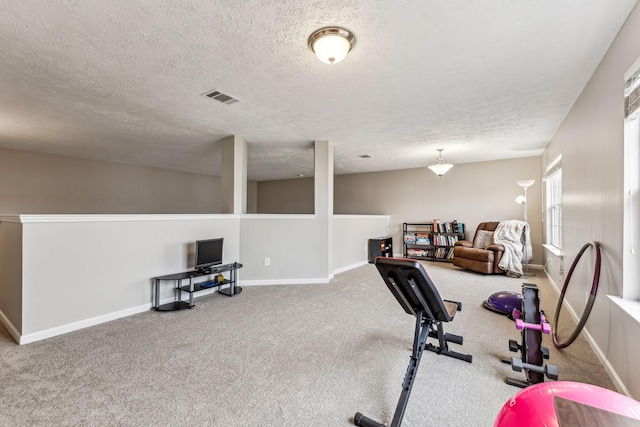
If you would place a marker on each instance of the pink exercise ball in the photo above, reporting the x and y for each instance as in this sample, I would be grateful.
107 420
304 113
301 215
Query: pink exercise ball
535 405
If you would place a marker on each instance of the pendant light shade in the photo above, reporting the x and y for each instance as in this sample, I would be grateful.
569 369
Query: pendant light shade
331 44
525 183
522 200
440 168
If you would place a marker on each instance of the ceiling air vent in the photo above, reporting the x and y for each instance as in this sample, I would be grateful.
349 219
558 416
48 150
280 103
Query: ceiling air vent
221 97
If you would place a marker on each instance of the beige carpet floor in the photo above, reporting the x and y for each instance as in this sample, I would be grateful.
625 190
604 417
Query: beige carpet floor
307 355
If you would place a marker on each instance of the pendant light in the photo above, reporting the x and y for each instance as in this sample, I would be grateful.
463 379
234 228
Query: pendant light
440 168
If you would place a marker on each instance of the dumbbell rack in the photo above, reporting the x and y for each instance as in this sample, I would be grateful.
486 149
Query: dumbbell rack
532 322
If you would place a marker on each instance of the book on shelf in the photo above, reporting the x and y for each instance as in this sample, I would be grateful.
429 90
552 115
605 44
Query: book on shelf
422 239
414 252
445 240
443 253
409 238
448 227
457 227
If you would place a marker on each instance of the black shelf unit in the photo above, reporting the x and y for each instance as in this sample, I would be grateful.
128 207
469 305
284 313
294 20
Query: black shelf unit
416 238
380 246
432 241
194 286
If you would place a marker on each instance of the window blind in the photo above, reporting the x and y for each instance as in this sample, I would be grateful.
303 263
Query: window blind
632 94
552 167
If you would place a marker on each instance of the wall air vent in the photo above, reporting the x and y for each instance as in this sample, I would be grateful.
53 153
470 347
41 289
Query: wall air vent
221 97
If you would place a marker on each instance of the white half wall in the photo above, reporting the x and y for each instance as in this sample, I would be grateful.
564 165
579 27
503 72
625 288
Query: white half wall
351 234
76 268
288 241
60 273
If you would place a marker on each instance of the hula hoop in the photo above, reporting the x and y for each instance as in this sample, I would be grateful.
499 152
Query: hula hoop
590 301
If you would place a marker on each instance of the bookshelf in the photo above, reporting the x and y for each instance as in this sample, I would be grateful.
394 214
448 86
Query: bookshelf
380 246
432 241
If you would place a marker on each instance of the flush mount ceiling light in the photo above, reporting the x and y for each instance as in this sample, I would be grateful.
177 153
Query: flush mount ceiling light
331 44
441 167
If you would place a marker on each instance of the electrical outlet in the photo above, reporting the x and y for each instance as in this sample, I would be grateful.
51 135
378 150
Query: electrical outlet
267 261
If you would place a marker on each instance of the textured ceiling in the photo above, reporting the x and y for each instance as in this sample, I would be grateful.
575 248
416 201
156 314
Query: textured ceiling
122 80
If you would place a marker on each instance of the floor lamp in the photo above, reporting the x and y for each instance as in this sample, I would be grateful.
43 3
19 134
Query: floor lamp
525 183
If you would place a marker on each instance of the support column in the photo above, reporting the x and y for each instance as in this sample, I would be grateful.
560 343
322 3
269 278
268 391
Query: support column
323 199
234 175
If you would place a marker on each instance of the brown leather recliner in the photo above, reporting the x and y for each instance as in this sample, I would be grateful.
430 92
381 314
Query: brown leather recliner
477 259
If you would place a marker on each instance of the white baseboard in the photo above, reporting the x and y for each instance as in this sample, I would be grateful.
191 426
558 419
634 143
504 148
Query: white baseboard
305 281
37 336
9 326
59 330
350 267
592 343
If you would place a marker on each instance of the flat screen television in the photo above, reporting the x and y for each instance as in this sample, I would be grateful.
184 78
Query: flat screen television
208 253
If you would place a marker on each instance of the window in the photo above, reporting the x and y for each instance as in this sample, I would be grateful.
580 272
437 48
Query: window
631 257
629 301
553 203
631 267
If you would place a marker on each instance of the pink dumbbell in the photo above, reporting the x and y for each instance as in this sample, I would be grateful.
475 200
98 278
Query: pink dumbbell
520 325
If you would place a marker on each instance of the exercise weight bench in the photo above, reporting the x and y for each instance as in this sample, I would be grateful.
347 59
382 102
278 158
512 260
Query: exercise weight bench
415 292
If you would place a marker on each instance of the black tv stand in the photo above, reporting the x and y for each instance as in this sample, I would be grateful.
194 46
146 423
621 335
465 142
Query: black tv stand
195 286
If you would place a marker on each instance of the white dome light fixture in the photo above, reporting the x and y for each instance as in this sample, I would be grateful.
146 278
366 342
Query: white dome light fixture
441 167
331 44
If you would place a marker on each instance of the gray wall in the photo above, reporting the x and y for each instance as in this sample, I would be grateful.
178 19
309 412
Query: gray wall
591 140
43 183
470 193
11 250
252 197
290 196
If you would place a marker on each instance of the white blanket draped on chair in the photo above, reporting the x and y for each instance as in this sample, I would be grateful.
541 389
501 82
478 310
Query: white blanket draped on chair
511 235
